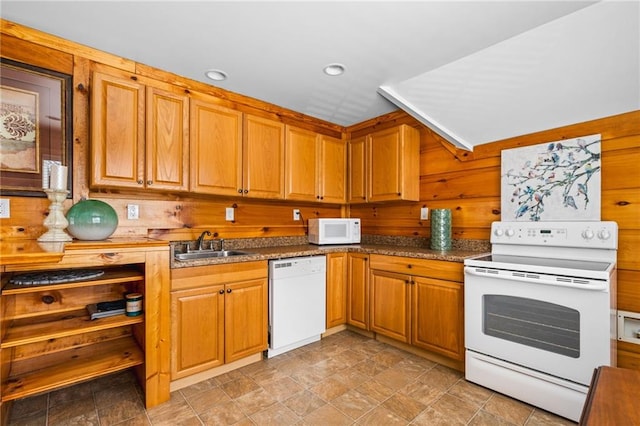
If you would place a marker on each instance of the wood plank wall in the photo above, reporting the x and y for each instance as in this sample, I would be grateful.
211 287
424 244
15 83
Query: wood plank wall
171 216
466 182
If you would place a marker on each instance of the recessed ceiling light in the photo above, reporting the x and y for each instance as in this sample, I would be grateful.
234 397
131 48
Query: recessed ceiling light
334 69
217 75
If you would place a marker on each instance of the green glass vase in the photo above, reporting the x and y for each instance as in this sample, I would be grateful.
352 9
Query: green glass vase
92 220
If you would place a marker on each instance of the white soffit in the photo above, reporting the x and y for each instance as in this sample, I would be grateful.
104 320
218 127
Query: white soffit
577 68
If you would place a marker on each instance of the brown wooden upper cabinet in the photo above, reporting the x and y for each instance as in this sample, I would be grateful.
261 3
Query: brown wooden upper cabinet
216 147
234 153
139 133
385 165
262 158
315 167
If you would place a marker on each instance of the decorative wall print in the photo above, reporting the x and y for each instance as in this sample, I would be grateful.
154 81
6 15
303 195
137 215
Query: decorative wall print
35 126
18 136
552 181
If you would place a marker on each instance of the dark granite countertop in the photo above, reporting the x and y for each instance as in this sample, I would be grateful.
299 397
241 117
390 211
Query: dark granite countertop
278 252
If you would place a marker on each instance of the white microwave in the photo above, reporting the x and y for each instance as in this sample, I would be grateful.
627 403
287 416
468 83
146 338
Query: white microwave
334 231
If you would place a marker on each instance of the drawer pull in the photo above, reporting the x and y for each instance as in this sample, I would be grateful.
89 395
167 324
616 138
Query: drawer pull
47 300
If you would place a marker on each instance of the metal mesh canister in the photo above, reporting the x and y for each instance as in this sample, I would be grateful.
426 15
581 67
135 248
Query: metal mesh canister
441 229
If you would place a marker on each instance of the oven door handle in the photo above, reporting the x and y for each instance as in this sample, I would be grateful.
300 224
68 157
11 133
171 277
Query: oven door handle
592 287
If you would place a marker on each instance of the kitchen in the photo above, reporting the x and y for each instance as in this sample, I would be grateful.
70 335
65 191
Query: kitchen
466 182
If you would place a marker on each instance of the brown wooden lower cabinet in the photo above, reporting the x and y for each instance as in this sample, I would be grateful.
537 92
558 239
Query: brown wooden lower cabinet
391 305
426 312
438 316
197 330
219 315
336 289
358 290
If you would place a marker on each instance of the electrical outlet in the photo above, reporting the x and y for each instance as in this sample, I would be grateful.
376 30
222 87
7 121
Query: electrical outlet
5 208
424 213
133 212
296 214
230 213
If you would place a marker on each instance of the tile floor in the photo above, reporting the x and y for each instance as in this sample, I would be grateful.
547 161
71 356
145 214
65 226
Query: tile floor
344 379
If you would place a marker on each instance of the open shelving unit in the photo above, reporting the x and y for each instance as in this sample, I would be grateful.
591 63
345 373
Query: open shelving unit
48 340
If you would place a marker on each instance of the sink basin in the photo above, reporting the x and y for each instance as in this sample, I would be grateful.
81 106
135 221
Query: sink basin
206 254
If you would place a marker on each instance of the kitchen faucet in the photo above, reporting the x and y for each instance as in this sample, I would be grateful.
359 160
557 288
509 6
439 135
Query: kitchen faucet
201 239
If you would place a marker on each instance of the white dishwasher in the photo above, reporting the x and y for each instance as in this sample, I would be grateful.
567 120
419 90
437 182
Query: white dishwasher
297 302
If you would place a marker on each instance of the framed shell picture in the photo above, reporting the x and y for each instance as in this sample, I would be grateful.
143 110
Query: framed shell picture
35 127
552 181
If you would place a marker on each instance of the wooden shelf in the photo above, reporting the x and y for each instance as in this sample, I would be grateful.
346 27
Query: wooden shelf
76 365
111 276
55 326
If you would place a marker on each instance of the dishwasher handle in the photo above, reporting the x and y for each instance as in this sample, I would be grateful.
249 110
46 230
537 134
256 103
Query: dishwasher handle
533 278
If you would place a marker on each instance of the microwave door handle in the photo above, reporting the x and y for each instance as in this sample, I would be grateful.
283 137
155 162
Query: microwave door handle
471 270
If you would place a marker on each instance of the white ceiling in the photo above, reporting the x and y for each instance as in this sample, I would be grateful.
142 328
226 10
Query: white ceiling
475 71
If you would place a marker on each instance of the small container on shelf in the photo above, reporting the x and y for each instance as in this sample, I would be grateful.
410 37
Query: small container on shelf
134 304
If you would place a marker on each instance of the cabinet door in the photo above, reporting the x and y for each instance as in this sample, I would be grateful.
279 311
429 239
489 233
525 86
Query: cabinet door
332 182
357 183
301 171
117 131
394 164
358 291
197 335
391 305
263 158
216 154
167 147
438 316
336 289
246 318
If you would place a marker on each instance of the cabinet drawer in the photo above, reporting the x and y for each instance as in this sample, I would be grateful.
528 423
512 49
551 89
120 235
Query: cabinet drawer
199 276
440 269
87 259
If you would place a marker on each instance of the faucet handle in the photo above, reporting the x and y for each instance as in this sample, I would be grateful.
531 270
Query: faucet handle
221 244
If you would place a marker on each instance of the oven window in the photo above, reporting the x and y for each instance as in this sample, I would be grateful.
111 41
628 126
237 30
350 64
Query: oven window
534 323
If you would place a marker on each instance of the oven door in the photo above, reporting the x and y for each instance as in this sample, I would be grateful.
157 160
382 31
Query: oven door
561 330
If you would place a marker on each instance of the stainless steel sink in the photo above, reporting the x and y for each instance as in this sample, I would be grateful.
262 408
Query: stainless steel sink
207 254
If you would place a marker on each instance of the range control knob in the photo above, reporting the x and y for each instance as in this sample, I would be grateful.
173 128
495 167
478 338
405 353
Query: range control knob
498 232
604 234
587 234
510 232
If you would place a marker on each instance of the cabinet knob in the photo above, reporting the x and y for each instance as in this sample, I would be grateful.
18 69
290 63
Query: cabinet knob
240 191
228 290
246 191
149 182
140 181
221 291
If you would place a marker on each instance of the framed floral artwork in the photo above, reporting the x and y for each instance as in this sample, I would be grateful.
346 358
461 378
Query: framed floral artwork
552 181
35 126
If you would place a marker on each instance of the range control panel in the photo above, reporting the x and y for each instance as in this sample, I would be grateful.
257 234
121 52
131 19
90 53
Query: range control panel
566 234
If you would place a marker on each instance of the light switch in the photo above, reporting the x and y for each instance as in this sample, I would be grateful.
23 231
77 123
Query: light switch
230 214
424 213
